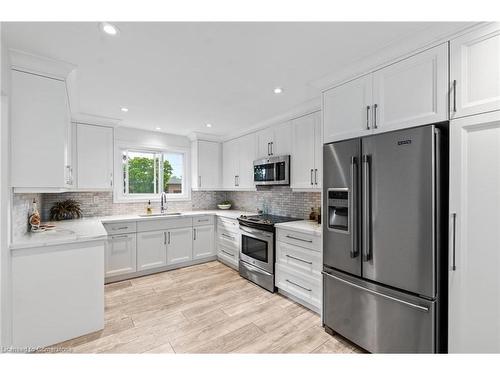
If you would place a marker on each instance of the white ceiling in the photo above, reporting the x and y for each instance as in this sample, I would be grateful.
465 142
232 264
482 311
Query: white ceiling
180 76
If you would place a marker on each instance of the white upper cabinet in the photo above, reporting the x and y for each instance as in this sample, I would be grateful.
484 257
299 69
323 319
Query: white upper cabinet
475 72
347 109
41 132
179 245
306 157
206 165
94 157
407 93
275 140
238 156
412 92
474 243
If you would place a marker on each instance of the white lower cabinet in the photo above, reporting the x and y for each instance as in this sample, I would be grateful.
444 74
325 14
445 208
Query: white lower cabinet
298 267
179 245
203 241
474 256
228 242
151 250
120 254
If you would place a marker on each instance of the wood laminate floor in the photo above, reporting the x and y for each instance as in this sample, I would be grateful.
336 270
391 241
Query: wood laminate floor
207 308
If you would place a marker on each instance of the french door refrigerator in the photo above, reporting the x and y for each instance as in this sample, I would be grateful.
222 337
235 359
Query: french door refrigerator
381 240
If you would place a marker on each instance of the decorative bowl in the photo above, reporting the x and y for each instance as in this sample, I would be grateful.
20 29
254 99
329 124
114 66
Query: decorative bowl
224 206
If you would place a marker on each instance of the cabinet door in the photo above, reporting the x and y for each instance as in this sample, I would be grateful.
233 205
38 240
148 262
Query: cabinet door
40 128
121 254
230 161
246 153
474 283
203 241
412 92
302 158
264 139
318 151
151 250
282 143
209 165
94 150
347 110
475 72
179 245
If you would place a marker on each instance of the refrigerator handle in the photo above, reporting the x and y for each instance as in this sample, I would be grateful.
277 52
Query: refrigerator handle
353 208
367 254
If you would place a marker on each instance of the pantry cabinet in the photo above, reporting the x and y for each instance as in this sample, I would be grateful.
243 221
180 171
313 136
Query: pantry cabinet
306 158
206 165
179 245
407 93
40 133
238 156
275 140
94 157
475 72
120 254
474 243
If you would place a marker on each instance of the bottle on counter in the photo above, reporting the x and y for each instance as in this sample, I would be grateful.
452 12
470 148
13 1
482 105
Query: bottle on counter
149 208
319 215
312 214
34 217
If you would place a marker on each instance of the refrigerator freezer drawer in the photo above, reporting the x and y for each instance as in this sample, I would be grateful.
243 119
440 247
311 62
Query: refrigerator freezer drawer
378 319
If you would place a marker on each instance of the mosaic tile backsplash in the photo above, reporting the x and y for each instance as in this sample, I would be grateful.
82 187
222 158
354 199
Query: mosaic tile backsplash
276 200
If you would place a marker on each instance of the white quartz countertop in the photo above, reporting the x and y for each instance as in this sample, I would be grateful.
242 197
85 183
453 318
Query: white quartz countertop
302 226
90 229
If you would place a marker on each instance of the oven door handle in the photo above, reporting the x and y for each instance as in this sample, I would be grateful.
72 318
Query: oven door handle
254 269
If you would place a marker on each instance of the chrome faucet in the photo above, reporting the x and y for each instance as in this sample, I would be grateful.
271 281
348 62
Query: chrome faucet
163 202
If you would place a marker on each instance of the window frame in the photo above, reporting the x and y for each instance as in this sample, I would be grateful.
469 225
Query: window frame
118 194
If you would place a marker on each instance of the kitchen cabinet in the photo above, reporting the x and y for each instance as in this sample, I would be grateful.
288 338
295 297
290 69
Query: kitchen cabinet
120 254
411 92
206 165
40 133
203 241
408 93
94 160
475 72
228 241
474 243
306 158
275 140
151 250
238 158
179 245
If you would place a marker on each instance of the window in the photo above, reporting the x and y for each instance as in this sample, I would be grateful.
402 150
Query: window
146 174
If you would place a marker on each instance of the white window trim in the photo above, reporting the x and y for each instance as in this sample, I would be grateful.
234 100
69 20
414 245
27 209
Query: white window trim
119 197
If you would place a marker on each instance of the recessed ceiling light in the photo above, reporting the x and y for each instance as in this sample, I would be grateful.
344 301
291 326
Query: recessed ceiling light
209 125
158 128
278 90
124 109
109 29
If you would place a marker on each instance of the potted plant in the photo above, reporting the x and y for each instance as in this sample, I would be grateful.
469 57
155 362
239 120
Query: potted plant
65 210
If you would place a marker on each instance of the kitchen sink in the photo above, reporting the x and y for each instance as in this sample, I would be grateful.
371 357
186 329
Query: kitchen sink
165 214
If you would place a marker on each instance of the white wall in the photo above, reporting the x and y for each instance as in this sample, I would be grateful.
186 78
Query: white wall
5 195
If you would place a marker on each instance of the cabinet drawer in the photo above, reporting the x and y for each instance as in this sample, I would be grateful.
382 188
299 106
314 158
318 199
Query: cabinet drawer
227 224
304 287
299 239
203 220
228 254
120 228
299 259
230 239
162 224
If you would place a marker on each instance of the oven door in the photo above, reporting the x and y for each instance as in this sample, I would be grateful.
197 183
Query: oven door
257 248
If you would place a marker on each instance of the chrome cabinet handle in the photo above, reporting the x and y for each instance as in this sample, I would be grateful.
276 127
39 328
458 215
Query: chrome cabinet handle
69 178
120 236
300 260
194 234
453 241
202 220
367 209
164 238
454 95
375 106
168 238
227 236
423 308
111 179
353 208
225 252
120 228
312 171
235 184
272 146
268 148
367 117
199 181
300 286
298 239
315 177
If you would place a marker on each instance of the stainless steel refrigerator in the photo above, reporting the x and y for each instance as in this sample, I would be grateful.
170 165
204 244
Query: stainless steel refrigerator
382 287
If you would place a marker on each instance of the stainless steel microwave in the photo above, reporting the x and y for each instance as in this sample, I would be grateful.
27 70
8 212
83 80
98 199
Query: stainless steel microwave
274 170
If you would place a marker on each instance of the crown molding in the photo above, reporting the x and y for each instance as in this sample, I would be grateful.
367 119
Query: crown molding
41 65
91 119
199 136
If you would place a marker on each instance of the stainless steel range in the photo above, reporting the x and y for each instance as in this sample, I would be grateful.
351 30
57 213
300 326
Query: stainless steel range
257 253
